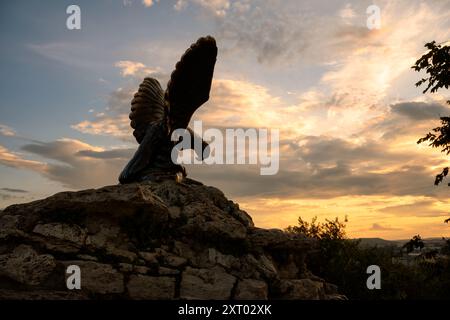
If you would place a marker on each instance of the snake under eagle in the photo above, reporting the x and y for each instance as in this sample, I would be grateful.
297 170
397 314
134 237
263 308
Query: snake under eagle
155 114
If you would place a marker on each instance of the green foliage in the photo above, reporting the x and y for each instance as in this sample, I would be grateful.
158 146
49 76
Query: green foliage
439 138
330 230
415 242
436 63
446 249
344 262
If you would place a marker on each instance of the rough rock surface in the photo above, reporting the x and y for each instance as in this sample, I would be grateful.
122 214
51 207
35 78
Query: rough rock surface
150 240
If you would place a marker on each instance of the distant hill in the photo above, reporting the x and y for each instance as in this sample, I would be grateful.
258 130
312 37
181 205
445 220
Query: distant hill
372 242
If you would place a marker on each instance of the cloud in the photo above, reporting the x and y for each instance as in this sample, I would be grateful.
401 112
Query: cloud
239 103
323 150
217 7
233 103
75 54
421 208
74 166
12 195
109 154
419 111
312 167
347 13
116 126
12 190
403 123
15 160
134 68
323 165
315 162
271 31
148 3
277 31
7 131
334 178
72 163
360 68
351 134
287 32
7 197
379 227
114 121
365 78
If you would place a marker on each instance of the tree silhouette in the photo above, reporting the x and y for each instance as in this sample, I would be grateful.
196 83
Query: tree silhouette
446 248
415 242
436 63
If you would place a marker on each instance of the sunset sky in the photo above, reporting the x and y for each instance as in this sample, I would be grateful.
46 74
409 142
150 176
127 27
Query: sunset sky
342 96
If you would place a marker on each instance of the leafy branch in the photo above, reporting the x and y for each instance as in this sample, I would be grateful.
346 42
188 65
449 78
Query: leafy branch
436 63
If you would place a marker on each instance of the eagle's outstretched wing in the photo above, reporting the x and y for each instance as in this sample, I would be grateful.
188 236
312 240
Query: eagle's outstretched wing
190 82
147 106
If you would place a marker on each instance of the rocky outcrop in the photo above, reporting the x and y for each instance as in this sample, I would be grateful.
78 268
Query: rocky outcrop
150 240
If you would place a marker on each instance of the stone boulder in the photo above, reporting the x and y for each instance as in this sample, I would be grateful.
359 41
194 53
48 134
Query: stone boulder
150 240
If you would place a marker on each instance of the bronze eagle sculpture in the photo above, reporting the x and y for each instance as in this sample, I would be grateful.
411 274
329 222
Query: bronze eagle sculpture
155 114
